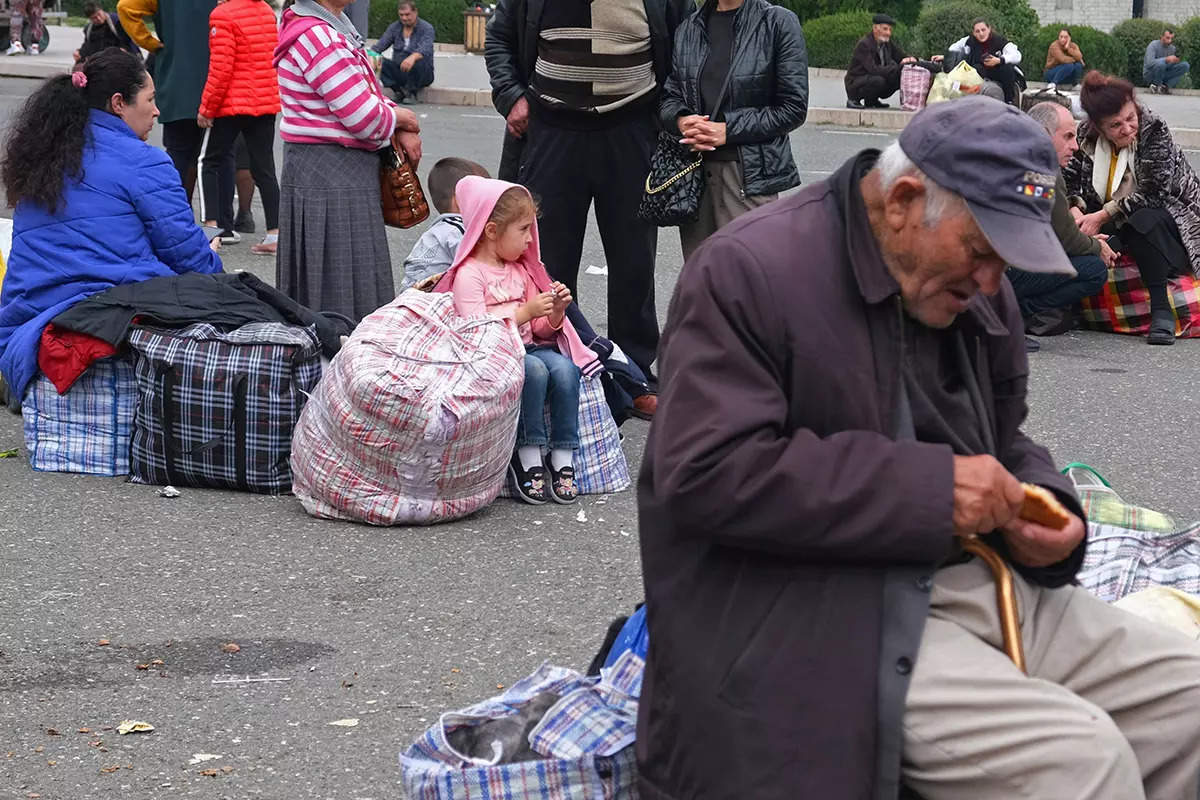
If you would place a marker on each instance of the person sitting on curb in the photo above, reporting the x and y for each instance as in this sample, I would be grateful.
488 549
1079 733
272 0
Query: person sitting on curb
1064 61
103 32
993 57
410 69
1047 302
1161 68
874 71
817 628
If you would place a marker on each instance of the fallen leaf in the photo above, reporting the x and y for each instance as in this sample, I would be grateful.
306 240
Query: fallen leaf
51 763
33 794
96 743
211 773
13 453
38 749
227 770
200 758
456 670
141 666
346 684
158 662
85 730
230 647
103 643
134 726
349 722
109 770
499 685
52 732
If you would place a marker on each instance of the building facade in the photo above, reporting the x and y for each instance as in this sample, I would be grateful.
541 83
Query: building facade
1104 14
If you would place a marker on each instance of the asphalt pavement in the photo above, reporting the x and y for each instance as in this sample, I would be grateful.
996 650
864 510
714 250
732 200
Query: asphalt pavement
390 626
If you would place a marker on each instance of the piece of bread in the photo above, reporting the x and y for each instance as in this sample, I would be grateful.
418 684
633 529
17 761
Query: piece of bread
1042 507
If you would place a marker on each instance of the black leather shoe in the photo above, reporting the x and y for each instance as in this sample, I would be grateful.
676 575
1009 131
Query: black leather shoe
855 104
1032 345
876 104
1162 328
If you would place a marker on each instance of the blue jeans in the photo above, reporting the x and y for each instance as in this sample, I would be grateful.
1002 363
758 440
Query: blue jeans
1160 72
1039 292
550 377
392 77
1064 74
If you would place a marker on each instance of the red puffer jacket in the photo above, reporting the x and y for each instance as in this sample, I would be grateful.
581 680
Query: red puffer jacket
241 76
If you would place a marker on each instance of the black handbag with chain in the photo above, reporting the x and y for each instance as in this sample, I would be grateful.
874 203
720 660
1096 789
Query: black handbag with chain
676 181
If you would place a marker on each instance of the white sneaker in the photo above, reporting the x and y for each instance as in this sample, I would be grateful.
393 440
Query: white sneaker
15 49
34 49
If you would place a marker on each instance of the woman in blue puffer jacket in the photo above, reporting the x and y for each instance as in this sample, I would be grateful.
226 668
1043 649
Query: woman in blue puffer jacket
95 206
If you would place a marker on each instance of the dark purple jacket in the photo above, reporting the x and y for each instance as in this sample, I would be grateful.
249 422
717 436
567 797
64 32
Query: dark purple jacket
788 541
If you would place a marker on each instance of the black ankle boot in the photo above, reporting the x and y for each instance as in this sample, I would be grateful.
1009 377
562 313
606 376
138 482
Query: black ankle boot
1162 327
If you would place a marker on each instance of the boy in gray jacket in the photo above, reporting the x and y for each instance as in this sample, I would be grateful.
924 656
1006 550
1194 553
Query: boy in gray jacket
434 251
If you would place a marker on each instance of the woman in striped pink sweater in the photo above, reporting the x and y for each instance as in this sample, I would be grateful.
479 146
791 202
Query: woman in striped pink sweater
333 251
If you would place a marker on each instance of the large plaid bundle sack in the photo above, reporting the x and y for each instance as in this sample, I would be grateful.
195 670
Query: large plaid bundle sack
600 464
416 418
1120 561
555 735
1123 305
915 83
87 429
217 408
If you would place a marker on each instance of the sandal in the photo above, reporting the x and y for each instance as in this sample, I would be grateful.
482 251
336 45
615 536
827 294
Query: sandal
528 484
562 486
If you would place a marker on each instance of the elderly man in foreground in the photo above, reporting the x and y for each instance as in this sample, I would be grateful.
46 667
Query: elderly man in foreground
846 379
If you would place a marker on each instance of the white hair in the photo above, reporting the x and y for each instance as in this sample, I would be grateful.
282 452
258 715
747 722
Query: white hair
940 203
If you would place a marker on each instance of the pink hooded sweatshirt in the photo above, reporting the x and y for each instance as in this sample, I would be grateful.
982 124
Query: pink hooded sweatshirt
477 198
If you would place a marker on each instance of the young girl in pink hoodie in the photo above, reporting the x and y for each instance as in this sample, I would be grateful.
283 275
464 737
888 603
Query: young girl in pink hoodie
497 271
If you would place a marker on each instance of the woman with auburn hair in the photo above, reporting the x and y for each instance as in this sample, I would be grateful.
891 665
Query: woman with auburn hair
1130 180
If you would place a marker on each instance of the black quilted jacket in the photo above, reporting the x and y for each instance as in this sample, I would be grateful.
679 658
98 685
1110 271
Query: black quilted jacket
768 93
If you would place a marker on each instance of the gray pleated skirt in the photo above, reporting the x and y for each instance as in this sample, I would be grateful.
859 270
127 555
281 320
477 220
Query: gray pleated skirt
333 249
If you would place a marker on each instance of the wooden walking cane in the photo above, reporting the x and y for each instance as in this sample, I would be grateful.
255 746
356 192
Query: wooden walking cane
1006 598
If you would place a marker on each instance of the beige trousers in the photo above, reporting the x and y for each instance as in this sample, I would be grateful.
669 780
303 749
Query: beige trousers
1110 709
721 204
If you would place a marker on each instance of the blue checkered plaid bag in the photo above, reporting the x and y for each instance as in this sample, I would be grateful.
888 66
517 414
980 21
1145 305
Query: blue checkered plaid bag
87 429
581 744
217 408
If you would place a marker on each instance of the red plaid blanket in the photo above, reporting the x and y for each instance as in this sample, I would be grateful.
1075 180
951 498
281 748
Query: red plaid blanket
1123 305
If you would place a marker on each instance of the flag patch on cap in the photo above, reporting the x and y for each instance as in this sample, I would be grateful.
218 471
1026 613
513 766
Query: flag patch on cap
1033 190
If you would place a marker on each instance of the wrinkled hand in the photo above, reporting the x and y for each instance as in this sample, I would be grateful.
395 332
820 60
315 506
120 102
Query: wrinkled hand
406 120
410 143
407 64
203 121
704 135
908 60
1076 215
562 297
1107 254
1172 59
518 118
1092 223
937 59
990 61
215 244
986 495
1036 545
540 305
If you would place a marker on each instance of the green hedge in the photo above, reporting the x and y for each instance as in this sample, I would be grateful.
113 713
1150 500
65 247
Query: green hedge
943 23
1100 50
831 39
904 11
1135 35
1188 42
446 16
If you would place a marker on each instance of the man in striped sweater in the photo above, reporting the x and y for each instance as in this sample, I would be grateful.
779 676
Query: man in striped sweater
578 82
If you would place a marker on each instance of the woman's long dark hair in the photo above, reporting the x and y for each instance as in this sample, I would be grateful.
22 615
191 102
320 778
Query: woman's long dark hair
45 145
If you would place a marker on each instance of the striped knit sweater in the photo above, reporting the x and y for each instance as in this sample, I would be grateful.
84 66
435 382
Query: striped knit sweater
328 90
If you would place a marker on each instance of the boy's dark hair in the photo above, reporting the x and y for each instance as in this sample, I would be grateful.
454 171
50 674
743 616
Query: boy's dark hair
91 7
445 175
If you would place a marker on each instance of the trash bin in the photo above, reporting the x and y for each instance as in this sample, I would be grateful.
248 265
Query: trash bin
475 29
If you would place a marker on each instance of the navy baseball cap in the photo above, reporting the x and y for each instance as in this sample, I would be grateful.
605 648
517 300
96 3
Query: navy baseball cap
1004 165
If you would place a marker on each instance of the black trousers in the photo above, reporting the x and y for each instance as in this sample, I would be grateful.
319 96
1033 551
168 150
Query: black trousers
217 149
871 88
1152 238
568 170
1006 76
182 139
